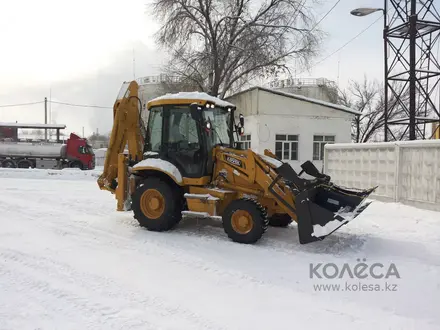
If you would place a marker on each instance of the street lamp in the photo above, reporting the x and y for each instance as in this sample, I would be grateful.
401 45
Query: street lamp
364 11
359 12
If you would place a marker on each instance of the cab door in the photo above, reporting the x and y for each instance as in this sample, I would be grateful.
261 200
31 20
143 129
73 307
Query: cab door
183 141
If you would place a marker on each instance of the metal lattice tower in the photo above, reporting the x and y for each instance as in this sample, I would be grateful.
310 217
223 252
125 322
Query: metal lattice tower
412 69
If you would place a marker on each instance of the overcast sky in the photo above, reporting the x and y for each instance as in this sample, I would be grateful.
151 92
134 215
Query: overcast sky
81 51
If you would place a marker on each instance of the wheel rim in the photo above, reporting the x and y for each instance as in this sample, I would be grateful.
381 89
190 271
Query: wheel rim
152 203
242 222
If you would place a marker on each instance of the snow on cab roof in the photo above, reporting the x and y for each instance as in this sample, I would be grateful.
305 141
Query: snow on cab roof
191 96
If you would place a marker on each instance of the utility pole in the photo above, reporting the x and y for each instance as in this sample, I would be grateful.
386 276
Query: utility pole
385 68
411 32
45 118
134 65
412 70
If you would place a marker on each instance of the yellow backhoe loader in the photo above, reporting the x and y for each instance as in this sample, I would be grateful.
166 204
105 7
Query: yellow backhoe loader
183 161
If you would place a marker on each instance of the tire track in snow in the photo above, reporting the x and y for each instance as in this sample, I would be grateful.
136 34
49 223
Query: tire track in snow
47 276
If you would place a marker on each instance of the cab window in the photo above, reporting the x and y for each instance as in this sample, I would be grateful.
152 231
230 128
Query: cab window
154 129
183 129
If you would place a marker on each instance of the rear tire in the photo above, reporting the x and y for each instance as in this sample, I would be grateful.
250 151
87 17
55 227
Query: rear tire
9 163
280 220
156 205
24 163
76 164
245 221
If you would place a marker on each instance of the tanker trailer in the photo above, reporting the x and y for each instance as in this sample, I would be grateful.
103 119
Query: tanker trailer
75 153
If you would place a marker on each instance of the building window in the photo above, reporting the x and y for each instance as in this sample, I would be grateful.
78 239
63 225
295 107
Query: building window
286 147
319 141
245 141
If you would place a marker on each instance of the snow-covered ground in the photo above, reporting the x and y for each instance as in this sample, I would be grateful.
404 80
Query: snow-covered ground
68 260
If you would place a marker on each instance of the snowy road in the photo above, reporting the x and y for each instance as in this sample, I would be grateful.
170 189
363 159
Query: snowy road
68 260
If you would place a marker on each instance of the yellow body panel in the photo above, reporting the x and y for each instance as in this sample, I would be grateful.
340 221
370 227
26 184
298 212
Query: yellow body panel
436 131
212 207
203 181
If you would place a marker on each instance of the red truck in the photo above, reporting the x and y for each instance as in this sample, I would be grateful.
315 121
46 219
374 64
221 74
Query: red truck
74 153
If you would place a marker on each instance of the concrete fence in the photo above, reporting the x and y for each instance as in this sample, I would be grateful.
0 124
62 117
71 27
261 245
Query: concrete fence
100 156
406 172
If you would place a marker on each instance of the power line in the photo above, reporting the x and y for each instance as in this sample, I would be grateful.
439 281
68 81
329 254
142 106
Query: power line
323 17
63 103
346 44
19 104
314 27
82 105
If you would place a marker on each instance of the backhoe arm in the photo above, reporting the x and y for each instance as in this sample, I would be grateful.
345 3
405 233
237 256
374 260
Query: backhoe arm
126 130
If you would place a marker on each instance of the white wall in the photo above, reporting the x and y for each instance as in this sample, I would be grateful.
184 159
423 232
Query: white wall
407 172
267 114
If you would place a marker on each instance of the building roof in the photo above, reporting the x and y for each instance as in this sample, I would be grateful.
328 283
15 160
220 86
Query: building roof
35 126
301 98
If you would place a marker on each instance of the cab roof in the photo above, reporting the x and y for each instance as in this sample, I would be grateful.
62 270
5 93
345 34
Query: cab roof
189 98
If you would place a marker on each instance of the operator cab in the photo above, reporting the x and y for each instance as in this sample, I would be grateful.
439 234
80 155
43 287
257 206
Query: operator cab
184 130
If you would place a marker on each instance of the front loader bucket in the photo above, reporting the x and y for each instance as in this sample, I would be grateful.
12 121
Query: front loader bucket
322 207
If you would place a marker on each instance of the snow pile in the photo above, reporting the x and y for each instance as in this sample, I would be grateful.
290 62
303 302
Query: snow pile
64 174
342 217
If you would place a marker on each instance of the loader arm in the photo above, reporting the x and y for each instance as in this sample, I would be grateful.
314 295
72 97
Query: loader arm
126 130
255 176
317 205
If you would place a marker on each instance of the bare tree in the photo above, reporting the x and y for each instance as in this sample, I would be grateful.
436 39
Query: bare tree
367 97
175 85
219 45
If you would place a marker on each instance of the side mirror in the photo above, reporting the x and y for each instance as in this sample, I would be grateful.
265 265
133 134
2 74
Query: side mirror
196 114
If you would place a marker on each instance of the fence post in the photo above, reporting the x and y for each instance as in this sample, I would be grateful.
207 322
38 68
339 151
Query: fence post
397 173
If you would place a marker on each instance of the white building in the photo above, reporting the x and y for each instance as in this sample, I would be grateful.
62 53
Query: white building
315 88
151 87
294 127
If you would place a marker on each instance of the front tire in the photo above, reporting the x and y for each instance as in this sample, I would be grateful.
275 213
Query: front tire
156 205
245 221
